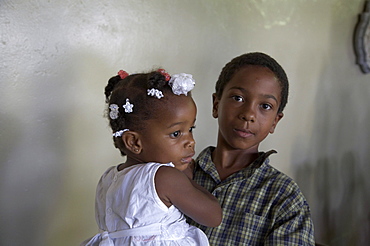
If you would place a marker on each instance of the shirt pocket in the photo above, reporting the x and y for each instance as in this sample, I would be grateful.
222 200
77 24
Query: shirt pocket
247 229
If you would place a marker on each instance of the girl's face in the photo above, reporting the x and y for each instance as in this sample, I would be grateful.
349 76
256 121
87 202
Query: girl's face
169 137
248 108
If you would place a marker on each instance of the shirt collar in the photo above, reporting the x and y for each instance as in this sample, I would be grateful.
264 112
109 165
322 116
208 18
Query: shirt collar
204 161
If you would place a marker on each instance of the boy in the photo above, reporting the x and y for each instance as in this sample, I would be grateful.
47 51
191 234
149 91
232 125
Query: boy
261 205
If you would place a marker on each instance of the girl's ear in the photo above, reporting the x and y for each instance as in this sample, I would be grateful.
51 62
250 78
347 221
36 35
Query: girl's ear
132 142
215 102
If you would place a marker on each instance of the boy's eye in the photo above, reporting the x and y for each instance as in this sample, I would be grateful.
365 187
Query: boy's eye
175 134
192 129
238 98
266 106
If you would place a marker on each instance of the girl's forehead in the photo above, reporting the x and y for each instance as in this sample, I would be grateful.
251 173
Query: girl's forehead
175 112
175 104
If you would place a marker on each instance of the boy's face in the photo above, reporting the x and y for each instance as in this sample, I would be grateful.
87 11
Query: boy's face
248 108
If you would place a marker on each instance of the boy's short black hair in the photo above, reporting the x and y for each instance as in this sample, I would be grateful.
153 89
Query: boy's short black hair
258 59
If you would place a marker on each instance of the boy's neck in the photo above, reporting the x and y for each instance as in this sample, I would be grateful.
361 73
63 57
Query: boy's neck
229 161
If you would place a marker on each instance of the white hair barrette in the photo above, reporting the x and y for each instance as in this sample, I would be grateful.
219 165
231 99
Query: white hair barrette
113 114
120 132
128 106
181 83
155 93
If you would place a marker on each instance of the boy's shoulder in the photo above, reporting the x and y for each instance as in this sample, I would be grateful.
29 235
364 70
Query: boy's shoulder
277 182
260 172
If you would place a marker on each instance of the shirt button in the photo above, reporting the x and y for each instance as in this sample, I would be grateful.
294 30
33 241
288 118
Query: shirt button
115 178
109 211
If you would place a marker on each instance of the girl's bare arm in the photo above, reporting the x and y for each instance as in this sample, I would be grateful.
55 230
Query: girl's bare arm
174 187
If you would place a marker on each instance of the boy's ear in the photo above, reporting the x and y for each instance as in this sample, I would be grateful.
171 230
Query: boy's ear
215 102
132 142
278 117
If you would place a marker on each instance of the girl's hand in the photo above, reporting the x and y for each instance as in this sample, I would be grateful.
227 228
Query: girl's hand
189 171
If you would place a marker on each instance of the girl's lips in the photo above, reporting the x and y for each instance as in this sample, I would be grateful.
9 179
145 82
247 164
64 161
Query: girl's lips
244 133
188 159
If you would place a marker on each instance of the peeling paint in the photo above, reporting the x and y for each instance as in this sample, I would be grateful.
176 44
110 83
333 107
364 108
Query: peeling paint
277 15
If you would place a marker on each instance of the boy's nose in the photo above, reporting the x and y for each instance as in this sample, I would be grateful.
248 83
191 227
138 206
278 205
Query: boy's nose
247 114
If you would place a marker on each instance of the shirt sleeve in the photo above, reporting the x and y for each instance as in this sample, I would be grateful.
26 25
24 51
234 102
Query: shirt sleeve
293 227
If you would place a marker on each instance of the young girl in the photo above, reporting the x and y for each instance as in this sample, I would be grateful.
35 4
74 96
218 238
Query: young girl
141 201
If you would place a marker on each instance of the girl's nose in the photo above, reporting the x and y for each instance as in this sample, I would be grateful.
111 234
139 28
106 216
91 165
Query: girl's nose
190 143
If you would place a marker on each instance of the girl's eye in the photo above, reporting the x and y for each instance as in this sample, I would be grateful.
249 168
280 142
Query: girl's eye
175 134
238 98
192 129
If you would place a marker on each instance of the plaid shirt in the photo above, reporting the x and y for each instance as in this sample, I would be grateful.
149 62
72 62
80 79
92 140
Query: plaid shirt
261 206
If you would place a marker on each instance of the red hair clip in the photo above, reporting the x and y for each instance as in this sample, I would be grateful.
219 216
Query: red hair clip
122 74
166 75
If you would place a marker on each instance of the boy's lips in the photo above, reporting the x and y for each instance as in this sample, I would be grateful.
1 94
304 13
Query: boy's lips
244 133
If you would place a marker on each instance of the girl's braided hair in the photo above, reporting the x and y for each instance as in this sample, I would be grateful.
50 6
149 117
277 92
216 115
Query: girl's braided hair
134 87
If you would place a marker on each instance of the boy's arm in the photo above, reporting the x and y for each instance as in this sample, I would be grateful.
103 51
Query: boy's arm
293 228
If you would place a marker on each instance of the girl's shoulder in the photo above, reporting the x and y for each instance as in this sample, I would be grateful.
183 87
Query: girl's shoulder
109 171
155 166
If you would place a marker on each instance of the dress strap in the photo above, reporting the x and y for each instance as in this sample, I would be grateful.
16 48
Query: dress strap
152 229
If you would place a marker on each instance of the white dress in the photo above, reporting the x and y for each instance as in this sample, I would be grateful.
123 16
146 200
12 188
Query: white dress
129 212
